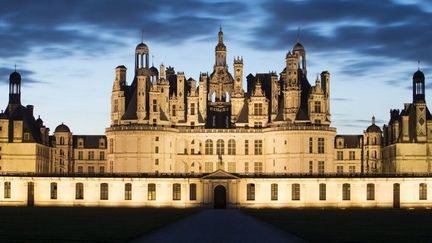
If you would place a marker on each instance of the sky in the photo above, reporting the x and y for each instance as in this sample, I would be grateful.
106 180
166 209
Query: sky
66 51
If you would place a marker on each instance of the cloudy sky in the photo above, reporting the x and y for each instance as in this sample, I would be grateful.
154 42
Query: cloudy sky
66 51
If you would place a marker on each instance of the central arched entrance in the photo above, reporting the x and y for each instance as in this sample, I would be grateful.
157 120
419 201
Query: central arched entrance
219 197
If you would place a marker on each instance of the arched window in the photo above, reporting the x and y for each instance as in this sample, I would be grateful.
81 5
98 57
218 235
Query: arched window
79 191
346 191
176 191
374 141
250 192
209 147
53 190
295 192
231 147
274 192
370 187
423 191
104 191
62 141
220 147
7 189
128 191
151 192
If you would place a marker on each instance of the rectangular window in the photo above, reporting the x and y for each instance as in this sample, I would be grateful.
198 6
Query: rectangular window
157 150
370 194
26 136
91 169
352 155
258 147
7 189
101 155
80 155
423 191
246 147
156 139
274 192
310 145
317 106
151 192
339 155
53 190
295 192
258 167
101 169
250 192
351 169
103 191
192 109
246 167
176 191
154 105
208 167
322 192
346 192
320 145
192 192
258 109
310 167
128 191
79 191
321 167
156 161
173 110
91 155
339 169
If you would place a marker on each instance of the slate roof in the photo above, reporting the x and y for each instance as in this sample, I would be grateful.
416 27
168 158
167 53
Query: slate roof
350 141
90 141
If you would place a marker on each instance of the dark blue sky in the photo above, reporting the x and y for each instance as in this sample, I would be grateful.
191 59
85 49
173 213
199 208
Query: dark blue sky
67 50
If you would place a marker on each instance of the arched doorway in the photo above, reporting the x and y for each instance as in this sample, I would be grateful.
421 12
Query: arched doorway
219 197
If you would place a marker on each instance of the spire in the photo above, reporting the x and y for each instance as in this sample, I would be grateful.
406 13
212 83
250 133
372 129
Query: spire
373 120
298 34
220 34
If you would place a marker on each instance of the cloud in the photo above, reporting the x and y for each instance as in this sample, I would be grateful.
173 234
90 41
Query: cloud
59 27
26 76
340 99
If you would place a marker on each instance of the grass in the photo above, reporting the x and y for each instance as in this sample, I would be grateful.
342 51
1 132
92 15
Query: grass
351 225
55 224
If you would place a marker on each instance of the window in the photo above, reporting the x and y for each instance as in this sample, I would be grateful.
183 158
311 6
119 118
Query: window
192 109
208 167
321 168
246 147
173 110
231 147
322 192
91 169
80 169
157 150
258 147
250 192
352 155
346 191
258 167
209 147
156 139
258 109
192 192
151 192
53 190
91 155
101 169
246 167
320 145
274 192
220 147
154 105
370 191
104 191
156 161
176 191
339 155
26 136
317 106
111 145
310 167
79 191
339 169
423 191
116 105
62 141
128 191
7 189
351 169
310 145
80 155
101 155
258 124
295 192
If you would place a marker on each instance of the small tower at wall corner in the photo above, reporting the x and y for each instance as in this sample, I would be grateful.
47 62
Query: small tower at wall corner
238 77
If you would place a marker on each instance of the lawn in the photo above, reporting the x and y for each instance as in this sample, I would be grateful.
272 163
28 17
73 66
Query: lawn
351 225
55 224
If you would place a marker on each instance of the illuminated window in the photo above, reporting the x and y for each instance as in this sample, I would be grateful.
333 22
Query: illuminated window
151 192
53 190
103 191
370 191
128 191
192 192
322 191
250 192
274 192
295 192
176 191
423 191
7 189
79 191
346 192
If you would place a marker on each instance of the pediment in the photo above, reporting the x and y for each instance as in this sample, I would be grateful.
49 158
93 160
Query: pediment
220 174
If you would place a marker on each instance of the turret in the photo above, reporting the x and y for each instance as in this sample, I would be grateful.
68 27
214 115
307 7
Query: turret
238 77
418 87
14 90
220 51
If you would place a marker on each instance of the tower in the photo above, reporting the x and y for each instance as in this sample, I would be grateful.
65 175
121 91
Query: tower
238 77
220 51
291 90
117 96
142 78
14 90
141 56
300 53
419 102
418 87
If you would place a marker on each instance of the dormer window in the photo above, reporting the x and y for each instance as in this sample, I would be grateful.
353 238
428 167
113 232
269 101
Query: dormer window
80 143
26 136
258 109
101 143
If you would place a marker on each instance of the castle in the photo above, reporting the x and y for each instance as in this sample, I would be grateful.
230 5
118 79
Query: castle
170 130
